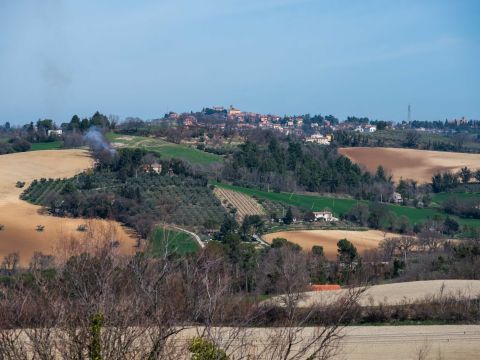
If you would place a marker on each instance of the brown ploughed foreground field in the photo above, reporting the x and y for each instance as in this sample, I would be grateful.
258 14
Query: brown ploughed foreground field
418 165
436 342
21 218
363 240
445 342
401 293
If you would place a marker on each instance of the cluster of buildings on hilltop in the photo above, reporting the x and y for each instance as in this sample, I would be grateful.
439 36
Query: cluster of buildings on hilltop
440 127
316 130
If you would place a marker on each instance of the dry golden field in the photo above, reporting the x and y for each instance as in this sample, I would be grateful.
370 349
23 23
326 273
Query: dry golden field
363 240
401 293
21 218
418 165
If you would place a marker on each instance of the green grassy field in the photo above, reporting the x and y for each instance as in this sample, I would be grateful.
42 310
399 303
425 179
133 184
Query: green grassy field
311 202
440 197
175 241
52 145
165 149
340 206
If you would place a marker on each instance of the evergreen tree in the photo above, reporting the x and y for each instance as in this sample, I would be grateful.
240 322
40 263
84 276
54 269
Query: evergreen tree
288 219
465 174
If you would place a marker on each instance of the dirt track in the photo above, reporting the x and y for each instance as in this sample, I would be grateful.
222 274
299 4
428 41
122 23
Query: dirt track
418 165
20 218
363 240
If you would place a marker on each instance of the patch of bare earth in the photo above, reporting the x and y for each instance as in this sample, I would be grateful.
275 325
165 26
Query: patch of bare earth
419 165
363 240
21 218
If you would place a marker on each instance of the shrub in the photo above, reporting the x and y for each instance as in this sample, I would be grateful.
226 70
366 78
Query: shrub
94 348
20 145
205 350
82 228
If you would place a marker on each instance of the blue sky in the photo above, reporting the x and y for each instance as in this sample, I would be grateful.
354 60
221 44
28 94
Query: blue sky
143 58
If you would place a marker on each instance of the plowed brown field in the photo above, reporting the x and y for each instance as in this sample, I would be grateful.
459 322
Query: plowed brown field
418 165
21 218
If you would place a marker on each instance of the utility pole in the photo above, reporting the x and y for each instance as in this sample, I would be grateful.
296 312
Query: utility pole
409 113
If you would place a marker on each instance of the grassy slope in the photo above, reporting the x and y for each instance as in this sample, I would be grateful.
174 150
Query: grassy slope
178 242
166 149
440 197
52 145
338 205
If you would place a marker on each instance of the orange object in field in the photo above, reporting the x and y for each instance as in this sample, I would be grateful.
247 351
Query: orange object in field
325 287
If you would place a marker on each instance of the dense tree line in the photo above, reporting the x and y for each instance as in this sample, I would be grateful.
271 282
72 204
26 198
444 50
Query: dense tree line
20 138
287 164
447 181
466 208
409 138
98 120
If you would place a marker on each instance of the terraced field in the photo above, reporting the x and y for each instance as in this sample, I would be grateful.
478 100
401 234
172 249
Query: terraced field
244 204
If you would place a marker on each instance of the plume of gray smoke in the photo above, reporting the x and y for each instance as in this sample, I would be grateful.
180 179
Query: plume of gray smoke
52 17
97 141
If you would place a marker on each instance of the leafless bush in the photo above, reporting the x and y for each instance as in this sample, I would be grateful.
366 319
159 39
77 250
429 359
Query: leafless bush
148 305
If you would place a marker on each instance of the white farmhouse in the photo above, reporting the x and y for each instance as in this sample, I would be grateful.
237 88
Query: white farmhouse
397 198
319 139
54 132
324 215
